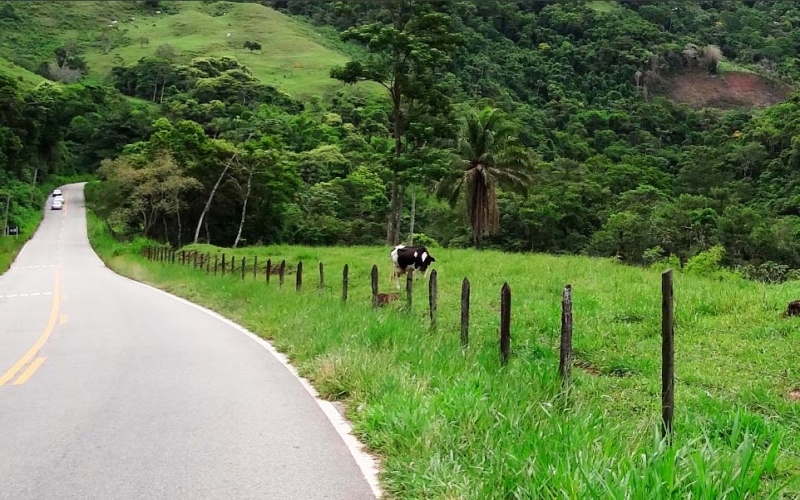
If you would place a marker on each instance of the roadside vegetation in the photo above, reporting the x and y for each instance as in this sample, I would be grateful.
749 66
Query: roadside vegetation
453 424
330 131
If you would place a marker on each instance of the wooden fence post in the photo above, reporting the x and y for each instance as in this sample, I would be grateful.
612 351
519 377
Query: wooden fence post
243 268
374 276
667 355
223 264
174 252
464 313
505 323
216 261
255 267
565 363
433 290
233 264
208 263
345 281
269 269
282 272
299 281
321 276
409 289
194 259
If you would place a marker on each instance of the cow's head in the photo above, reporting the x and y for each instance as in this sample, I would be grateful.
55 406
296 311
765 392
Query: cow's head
424 261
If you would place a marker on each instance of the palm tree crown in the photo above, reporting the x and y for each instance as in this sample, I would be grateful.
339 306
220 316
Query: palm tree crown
489 153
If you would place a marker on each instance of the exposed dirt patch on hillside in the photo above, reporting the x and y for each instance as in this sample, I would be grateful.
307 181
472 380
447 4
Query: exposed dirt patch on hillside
726 91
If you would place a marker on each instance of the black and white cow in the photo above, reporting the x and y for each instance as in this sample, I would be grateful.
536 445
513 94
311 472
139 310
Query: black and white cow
407 258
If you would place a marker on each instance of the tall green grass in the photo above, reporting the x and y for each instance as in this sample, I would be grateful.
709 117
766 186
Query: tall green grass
455 424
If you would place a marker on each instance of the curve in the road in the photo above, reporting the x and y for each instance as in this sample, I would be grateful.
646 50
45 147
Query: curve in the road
107 390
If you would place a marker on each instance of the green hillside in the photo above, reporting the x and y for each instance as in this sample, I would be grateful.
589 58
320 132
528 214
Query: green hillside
22 75
294 56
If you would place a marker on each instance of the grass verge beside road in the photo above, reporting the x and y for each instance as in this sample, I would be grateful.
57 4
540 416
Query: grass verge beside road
453 424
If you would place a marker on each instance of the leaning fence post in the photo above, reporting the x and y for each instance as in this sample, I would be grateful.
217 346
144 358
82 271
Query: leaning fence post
282 272
269 269
667 354
299 281
243 268
409 289
465 313
432 297
505 323
374 276
223 264
321 276
345 280
565 364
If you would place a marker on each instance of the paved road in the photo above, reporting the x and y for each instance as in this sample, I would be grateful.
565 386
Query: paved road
109 389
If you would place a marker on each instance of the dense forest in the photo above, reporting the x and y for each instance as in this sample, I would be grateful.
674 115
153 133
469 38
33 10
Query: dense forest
525 126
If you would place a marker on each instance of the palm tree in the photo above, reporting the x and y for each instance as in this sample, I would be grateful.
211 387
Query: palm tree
489 153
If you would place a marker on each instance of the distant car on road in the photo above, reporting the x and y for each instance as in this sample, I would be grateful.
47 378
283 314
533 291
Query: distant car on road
59 198
57 205
57 192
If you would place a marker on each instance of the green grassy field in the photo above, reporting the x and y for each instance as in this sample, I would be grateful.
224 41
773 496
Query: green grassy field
452 424
295 56
25 77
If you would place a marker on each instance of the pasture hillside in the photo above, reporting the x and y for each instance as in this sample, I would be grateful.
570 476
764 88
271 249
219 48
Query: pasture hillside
26 78
449 423
294 56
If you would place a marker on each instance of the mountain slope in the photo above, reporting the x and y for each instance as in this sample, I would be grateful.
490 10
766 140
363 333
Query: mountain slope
294 56
25 77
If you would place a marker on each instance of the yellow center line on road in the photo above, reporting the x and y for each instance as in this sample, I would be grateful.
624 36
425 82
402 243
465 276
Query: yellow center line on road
48 330
28 373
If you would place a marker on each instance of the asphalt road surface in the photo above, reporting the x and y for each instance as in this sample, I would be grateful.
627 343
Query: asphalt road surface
112 390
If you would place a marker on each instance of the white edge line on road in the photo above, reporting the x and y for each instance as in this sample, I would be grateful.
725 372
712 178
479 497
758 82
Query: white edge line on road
366 462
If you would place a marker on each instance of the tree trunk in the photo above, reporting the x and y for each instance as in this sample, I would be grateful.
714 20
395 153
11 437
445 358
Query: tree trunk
163 84
35 177
392 235
208 233
413 215
180 226
211 198
398 215
244 208
390 219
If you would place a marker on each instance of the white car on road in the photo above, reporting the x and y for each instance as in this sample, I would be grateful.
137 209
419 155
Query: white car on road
57 192
57 205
